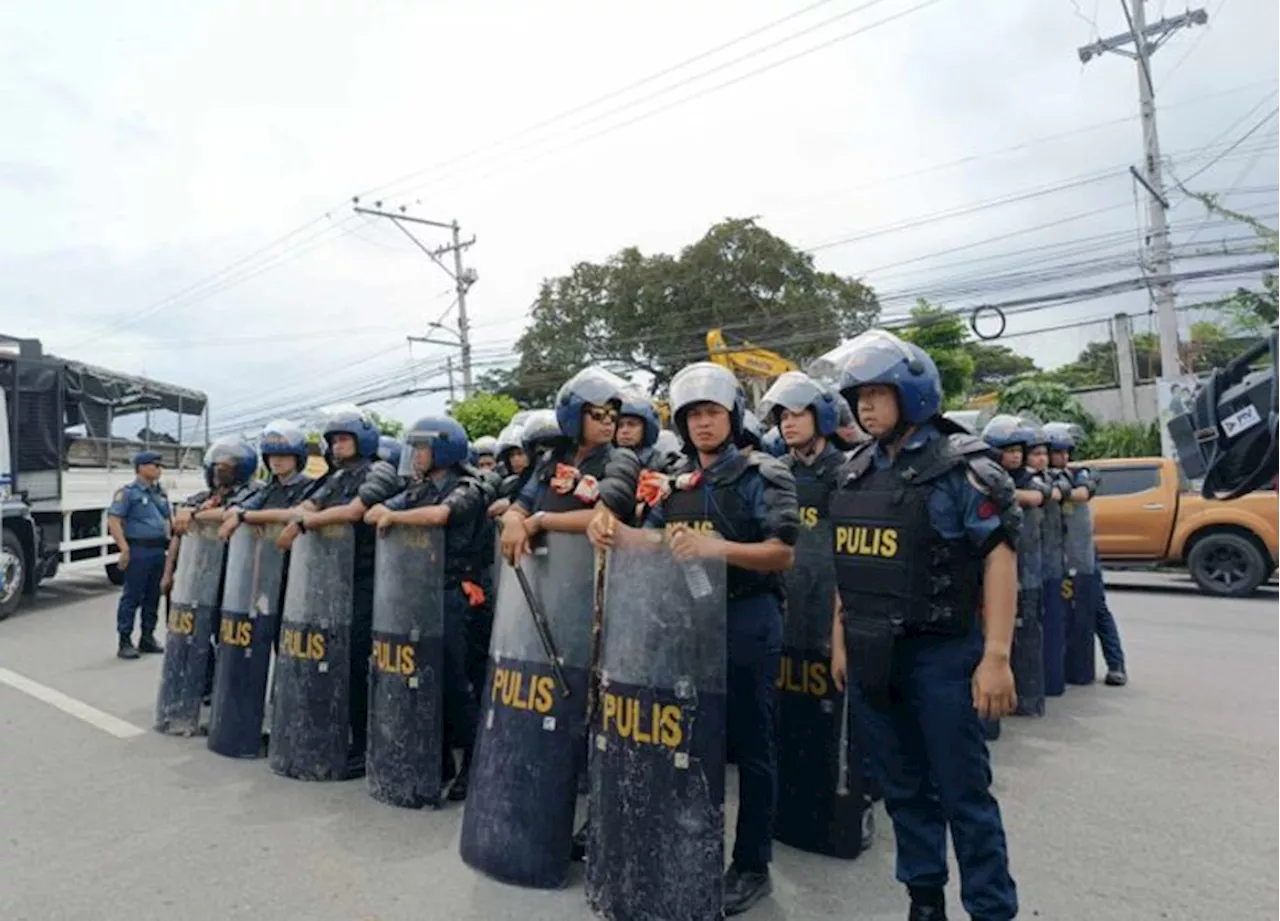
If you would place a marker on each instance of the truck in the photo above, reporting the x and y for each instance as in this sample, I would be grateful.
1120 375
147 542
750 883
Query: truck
63 457
1145 515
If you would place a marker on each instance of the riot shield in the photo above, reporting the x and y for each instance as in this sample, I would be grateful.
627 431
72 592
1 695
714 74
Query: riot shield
821 801
309 716
251 599
1028 633
193 609
1054 622
1079 593
405 717
518 823
655 845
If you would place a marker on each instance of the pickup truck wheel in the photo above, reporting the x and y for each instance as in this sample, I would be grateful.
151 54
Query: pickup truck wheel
13 573
1227 565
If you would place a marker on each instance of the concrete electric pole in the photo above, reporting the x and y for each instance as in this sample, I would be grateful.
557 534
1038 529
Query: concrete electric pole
1146 40
463 278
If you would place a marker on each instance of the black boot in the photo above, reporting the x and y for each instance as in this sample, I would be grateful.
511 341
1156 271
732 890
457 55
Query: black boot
458 789
578 848
743 888
1116 678
147 643
125 650
927 904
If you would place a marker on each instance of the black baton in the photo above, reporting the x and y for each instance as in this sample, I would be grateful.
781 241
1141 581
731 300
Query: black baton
544 630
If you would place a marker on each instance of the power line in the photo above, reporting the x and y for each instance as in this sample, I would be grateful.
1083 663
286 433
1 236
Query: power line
1244 137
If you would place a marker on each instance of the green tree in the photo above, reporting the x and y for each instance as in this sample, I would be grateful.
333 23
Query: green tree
484 413
994 365
943 335
1120 439
1046 400
651 314
392 427
1250 313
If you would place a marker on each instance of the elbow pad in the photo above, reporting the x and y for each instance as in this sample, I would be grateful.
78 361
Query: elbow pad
994 482
618 486
782 508
380 484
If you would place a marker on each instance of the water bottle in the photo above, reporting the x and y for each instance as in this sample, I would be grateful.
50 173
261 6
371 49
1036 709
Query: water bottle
696 578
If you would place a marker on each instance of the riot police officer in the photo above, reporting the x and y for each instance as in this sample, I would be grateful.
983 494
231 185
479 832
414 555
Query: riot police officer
750 503
444 492
1078 486
638 428
357 482
138 520
283 447
814 813
512 461
486 452
924 526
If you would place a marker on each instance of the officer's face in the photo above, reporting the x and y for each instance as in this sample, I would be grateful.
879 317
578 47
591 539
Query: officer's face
598 423
422 459
709 426
517 461
877 409
1058 458
149 472
630 432
282 465
486 462
224 473
342 446
1038 457
1011 458
797 428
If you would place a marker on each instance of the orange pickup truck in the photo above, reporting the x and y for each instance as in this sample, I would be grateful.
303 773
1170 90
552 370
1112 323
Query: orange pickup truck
1142 517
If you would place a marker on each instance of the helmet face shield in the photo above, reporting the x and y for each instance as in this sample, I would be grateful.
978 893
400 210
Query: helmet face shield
871 355
593 385
794 391
704 383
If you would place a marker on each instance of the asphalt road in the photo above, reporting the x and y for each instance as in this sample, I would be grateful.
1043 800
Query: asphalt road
1156 801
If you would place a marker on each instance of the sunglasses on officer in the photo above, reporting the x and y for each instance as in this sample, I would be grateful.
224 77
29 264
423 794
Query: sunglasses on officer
602 414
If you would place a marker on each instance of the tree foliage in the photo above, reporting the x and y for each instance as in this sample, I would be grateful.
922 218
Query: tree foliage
1046 400
1250 313
943 335
484 413
1120 439
392 427
650 314
994 365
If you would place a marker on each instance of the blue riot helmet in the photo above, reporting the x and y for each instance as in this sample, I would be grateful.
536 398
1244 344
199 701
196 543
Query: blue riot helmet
880 357
1005 431
444 436
541 431
389 450
772 443
284 437
230 461
1034 432
350 419
797 391
641 407
592 386
752 435
1062 436
705 382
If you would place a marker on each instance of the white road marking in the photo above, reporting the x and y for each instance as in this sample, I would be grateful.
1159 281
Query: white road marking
82 711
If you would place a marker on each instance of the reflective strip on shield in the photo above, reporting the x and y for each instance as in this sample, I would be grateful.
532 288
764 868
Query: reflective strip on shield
820 792
251 597
405 716
193 610
309 719
657 761
530 743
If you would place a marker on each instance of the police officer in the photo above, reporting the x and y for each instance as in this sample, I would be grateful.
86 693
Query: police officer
444 492
538 433
138 520
638 428
358 482
750 502
1079 485
512 461
925 523
283 447
486 452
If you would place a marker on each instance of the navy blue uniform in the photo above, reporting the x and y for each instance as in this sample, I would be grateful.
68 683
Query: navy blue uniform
468 548
144 513
910 537
1105 622
747 499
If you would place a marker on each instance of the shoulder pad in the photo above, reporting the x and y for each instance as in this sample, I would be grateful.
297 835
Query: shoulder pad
989 478
966 445
774 471
857 463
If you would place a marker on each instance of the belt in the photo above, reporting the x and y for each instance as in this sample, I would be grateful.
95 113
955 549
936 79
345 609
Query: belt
153 542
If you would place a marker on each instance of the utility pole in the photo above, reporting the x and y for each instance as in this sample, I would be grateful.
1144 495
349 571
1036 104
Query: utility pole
463 278
448 364
1146 40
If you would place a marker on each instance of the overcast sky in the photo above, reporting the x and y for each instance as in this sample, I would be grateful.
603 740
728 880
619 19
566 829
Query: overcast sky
148 152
